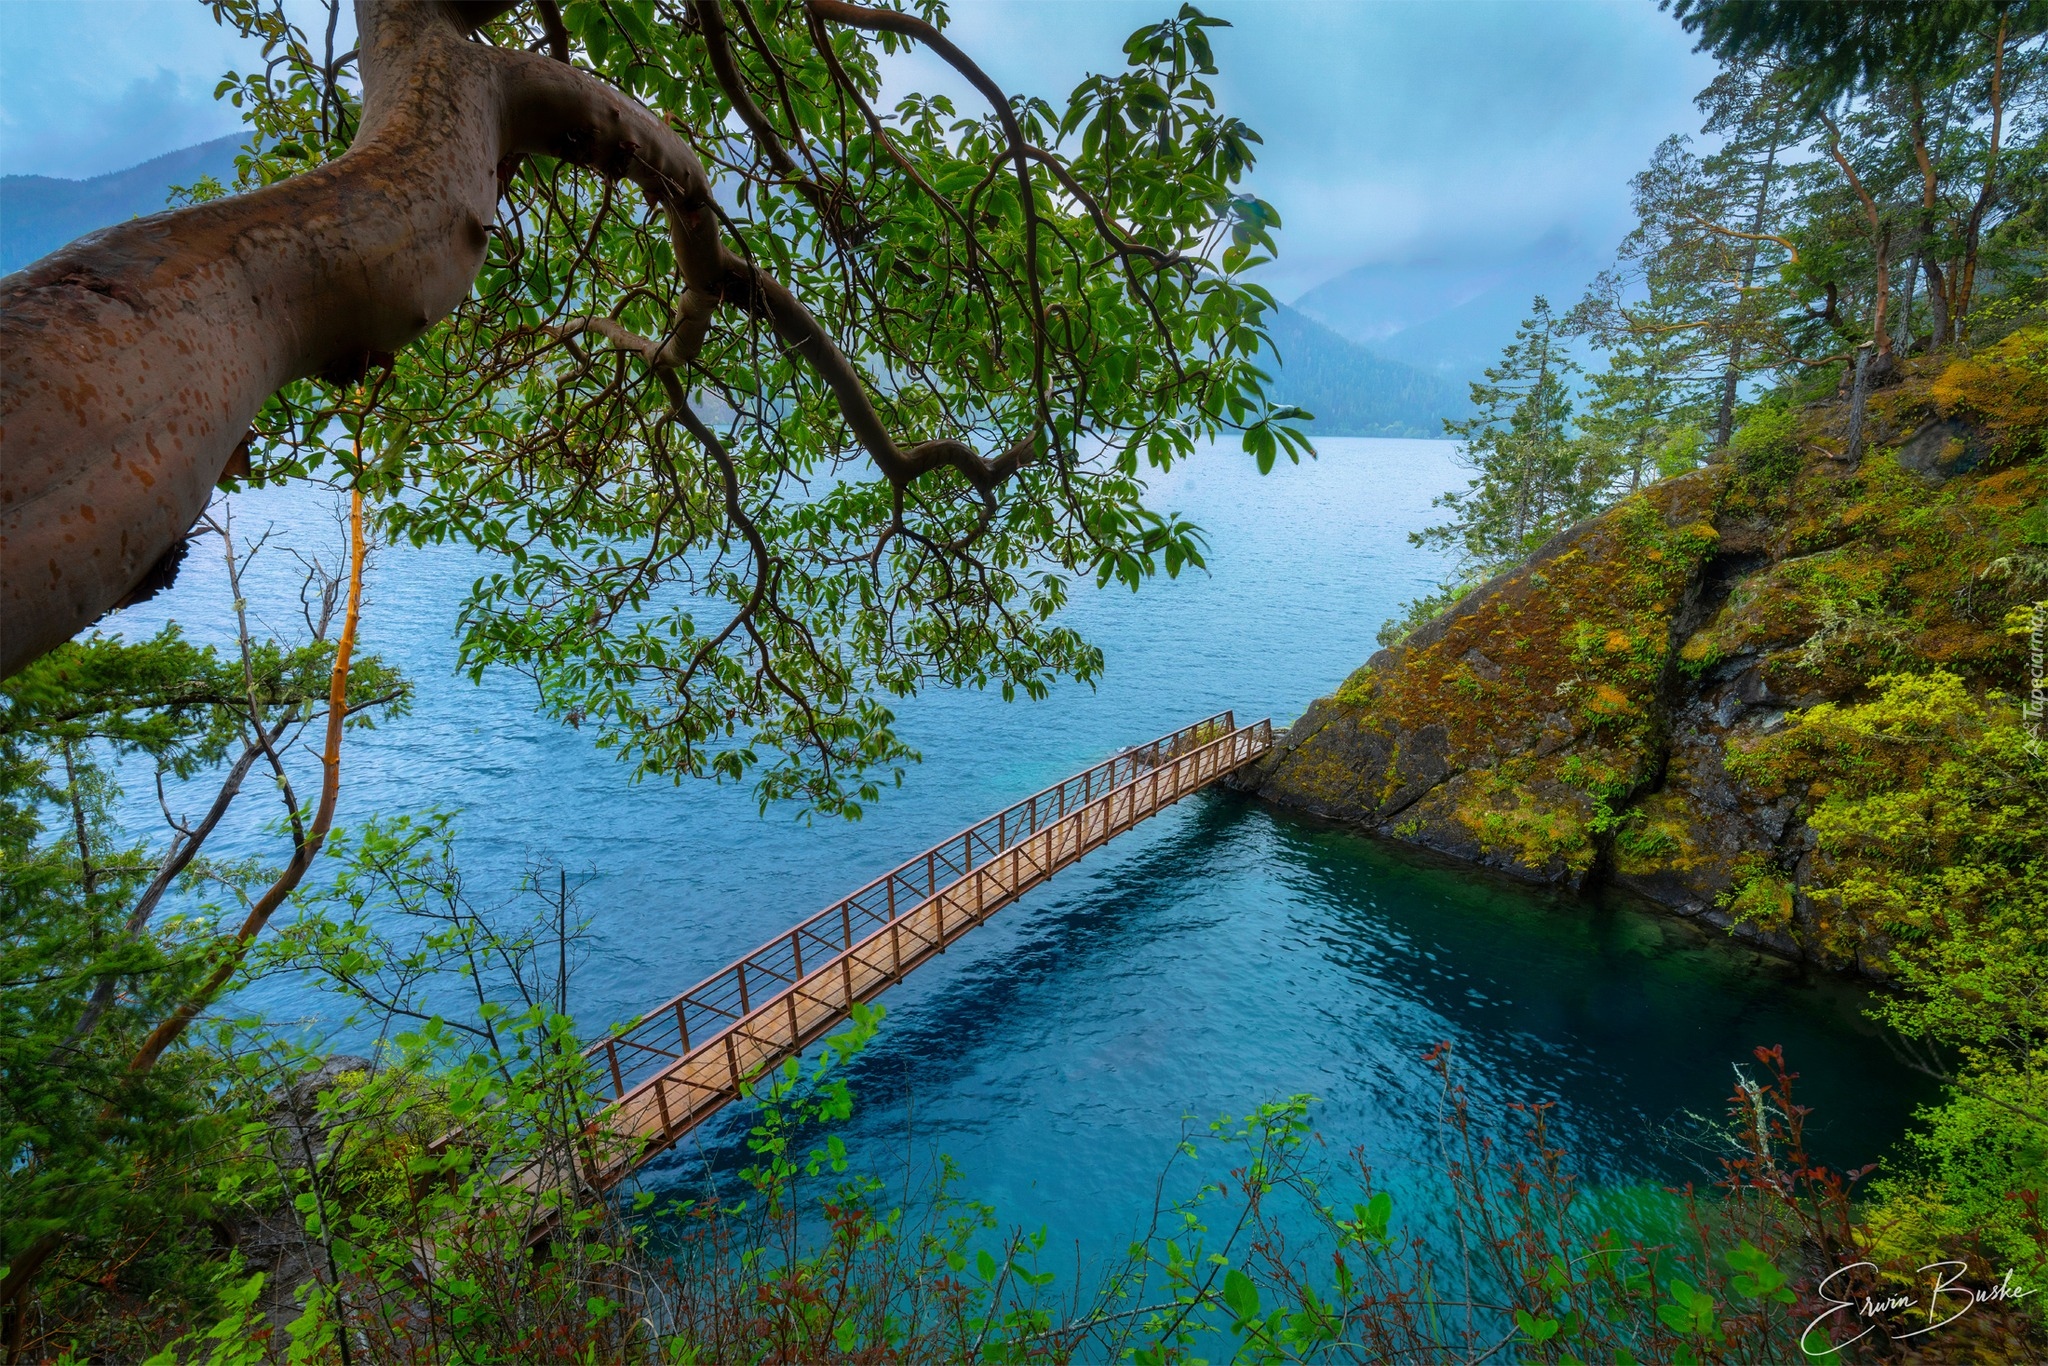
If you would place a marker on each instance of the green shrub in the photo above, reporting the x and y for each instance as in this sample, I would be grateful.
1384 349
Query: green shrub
1930 808
1767 450
1421 611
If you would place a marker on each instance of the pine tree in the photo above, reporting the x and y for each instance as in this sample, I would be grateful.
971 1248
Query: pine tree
1644 415
1696 282
1752 108
1531 475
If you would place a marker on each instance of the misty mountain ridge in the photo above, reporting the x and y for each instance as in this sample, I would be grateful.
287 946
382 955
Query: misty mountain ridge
1450 316
1352 390
40 213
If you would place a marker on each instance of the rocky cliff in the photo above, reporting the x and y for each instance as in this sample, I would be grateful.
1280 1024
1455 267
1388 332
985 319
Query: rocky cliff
1568 721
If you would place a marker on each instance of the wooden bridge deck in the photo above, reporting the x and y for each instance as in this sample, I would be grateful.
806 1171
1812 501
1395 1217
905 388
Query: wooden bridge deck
690 1056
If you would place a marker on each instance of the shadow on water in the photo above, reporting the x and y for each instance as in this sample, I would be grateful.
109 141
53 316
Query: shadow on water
1237 955
1596 1001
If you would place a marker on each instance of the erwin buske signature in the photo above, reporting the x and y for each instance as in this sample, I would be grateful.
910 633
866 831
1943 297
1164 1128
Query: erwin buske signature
1947 1300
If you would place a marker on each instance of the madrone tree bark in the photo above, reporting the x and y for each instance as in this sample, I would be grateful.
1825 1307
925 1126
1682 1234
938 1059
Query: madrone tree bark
133 360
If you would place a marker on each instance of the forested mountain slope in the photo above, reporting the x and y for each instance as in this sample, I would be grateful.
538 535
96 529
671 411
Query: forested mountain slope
1354 392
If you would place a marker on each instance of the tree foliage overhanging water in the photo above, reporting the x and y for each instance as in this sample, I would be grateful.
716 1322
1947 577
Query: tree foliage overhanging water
573 469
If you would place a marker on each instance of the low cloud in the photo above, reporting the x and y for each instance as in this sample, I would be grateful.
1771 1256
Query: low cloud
1394 132
149 117
87 88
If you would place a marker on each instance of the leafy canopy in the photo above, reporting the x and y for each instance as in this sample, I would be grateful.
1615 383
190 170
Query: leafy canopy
703 563
1841 46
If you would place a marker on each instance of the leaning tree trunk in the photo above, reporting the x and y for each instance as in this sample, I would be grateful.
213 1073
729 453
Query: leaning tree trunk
136 357
133 360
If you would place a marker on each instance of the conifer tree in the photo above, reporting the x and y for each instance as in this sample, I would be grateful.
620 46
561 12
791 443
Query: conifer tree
1696 282
1531 475
1643 415
1751 107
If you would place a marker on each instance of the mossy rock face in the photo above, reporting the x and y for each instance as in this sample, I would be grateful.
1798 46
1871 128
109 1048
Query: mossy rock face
1544 686
1566 721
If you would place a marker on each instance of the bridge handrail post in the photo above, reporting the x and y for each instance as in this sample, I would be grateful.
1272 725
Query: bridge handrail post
1193 756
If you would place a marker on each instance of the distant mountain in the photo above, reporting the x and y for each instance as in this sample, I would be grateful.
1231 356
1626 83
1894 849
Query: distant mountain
1446 316
40 213
1353 392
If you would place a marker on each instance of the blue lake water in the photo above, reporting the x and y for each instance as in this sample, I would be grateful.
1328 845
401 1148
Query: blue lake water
1219 956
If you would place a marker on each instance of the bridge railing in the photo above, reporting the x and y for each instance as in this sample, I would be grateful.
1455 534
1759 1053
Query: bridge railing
670 1101
670 1031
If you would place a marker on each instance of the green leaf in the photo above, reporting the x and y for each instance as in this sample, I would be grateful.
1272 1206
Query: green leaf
1240 1296
1377 1214
1537 1329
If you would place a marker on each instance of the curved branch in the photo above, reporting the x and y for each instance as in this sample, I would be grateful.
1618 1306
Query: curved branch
553 29
1879 237
168 1031
557 111
822 42
183 849
710 16
910 26
781 79
133 361
1123 246
1712 226
1975 226
736 513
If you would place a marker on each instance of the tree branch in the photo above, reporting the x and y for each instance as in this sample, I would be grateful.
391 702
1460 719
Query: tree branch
1975 226
710 16
558 111
168 1032
1712 226
184 848
910 26
555 31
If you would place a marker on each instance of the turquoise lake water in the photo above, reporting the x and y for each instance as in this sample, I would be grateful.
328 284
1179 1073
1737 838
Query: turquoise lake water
1219 956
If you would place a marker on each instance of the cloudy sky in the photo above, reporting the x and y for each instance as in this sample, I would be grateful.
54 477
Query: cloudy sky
1394 131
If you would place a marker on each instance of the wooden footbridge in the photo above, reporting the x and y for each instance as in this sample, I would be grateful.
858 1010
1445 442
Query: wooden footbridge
690 1056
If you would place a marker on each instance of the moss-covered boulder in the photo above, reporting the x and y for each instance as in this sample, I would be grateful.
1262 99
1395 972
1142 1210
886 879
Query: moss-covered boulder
1569 721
